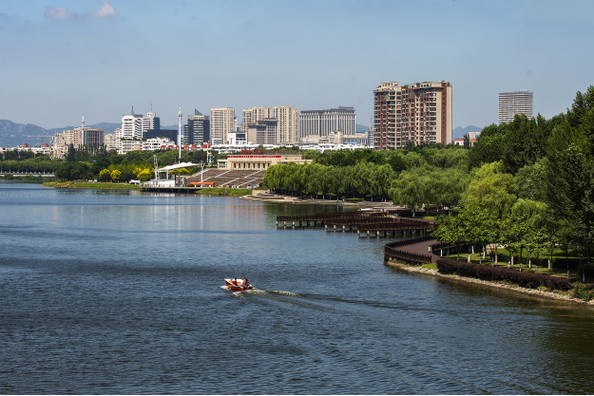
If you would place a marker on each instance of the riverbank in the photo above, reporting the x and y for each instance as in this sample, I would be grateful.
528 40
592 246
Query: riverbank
98 186
263 196
232 192
561 296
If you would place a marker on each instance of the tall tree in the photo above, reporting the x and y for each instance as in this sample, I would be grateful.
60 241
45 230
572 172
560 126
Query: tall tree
570 171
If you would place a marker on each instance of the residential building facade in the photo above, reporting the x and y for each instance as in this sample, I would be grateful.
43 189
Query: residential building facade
512 103
131 127
157 143
288 124
151 121
197 130
82 136
413 113
263 132
253 115
222 122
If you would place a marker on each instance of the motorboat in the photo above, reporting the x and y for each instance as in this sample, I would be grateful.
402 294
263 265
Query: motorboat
237 284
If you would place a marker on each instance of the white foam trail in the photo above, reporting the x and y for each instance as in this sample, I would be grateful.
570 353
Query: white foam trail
285 293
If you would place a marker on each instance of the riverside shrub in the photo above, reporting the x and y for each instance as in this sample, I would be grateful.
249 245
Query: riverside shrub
486 272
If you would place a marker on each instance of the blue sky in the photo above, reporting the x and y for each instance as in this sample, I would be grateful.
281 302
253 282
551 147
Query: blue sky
61 59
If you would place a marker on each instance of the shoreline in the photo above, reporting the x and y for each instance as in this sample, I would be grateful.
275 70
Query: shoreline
93 186
289 199
505 286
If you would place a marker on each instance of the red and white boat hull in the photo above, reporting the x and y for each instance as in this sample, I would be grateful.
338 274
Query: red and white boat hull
237 285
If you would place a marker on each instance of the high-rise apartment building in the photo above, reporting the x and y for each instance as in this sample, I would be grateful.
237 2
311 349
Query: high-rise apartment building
197 130
151 121
323 122
131 127
82 136
222 122
135 126
288 124
413 113
253 115
512 103
263 132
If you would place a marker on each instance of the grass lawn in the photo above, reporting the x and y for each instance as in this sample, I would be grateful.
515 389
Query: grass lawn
234 192
541 265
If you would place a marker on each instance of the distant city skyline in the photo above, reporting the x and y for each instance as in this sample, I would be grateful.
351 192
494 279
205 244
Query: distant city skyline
62 60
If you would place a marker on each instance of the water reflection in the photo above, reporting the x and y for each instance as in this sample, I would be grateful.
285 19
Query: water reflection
126 287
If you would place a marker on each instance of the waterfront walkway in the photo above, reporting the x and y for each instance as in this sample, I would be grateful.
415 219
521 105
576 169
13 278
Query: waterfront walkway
422 248
412 250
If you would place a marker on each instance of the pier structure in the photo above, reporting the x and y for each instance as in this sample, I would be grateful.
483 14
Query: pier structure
366 225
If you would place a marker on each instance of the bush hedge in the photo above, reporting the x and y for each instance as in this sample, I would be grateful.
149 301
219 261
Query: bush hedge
486 272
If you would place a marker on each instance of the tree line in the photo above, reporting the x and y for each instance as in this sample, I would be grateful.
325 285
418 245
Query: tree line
413 176
531 186
527 185
82 163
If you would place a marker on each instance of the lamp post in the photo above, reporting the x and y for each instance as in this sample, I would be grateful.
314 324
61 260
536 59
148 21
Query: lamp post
179 136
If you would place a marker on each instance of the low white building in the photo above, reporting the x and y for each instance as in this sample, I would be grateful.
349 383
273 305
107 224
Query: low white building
126 145
153 144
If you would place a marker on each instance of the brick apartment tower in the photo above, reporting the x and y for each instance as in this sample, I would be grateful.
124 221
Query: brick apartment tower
417 113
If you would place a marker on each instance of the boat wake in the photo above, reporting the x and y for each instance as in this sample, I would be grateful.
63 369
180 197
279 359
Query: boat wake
284 293
263 292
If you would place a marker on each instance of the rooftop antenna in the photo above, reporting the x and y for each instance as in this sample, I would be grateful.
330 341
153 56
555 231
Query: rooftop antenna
132 110
83 122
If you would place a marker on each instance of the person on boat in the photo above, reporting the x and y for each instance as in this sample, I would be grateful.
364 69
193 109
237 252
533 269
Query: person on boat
246 284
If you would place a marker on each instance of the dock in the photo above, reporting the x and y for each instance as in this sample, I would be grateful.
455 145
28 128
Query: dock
366 225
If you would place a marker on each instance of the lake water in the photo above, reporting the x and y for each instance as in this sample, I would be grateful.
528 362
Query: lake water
120 292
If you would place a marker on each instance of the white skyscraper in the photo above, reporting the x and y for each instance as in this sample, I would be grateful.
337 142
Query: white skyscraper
151 121
323 122
512 103
222 122
131 127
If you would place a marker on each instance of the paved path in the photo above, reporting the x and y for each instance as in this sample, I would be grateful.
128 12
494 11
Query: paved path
421 248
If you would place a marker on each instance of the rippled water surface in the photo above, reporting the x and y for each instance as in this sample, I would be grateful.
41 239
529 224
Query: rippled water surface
120 292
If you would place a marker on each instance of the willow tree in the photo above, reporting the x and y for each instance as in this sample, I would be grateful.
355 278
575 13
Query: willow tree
408 190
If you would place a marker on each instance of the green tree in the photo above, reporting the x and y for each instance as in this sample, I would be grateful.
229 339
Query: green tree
408 190
115 175
105 175
71 155
73 171
492 189
570 171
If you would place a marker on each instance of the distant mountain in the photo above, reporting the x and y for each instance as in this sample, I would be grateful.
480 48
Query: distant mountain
361 128
13 134
459 132
108 127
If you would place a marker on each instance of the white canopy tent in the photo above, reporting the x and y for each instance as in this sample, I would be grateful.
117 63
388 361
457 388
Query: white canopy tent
165 182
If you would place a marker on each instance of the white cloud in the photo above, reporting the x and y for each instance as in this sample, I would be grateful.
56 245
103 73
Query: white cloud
59 13
106 11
